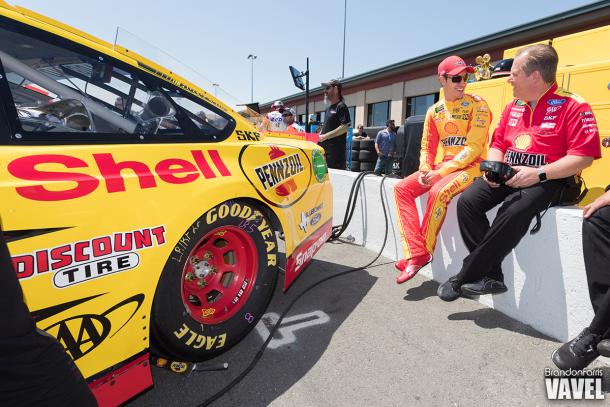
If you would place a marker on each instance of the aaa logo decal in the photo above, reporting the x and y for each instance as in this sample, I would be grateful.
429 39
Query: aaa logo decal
280 174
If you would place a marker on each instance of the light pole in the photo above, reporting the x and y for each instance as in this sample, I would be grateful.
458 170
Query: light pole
215 85
344 25
252 57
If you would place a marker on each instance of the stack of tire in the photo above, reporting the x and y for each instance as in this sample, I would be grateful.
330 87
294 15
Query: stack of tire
364 155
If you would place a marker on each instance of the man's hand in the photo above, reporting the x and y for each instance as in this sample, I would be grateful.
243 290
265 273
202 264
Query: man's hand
525 177
601 201
429 177
321 137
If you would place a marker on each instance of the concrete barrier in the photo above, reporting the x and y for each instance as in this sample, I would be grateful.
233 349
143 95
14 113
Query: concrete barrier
545 273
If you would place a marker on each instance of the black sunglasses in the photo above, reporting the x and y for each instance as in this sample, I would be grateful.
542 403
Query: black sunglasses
457 78
328 87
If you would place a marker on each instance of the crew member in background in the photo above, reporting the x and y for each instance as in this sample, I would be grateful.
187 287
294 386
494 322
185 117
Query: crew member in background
548 135
35 370
273 120
336 123
460 123
595 339
291 126
385 144
360 134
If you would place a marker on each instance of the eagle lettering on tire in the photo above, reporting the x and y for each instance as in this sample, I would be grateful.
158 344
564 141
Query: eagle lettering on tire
216 284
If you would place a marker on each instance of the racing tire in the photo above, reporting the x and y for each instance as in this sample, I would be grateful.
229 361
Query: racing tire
355 155
367 144
355 166
216 283
365 166
366 156
356 144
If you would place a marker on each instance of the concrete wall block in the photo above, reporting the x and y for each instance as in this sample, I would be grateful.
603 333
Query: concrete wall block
545 273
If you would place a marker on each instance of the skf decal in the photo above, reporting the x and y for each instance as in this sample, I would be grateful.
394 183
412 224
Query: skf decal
81 261
80 334
44 169
280 174
243 135
198 341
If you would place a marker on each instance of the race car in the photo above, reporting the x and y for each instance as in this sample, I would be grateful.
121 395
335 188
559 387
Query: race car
142 213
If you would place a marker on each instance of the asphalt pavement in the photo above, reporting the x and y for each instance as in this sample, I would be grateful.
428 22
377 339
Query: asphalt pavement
362 340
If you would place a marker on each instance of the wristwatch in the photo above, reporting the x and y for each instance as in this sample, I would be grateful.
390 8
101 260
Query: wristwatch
541 174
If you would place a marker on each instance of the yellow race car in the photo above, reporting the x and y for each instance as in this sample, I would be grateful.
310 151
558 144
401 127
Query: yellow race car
142 213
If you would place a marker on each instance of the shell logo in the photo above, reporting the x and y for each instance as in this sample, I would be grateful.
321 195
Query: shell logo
451 128
522 141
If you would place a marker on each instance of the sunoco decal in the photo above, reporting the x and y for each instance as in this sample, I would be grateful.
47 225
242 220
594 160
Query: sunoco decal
280 174
85 260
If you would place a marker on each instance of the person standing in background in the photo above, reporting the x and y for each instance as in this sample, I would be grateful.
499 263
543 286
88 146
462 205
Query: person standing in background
385 144
336 123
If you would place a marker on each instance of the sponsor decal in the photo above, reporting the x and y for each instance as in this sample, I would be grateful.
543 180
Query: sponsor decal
449 190
465 116
241 291
586 113
516 114
51 168
81 334
465 104
549 117
438 212
319 165
587 119
451 128
512 122
208 312
547 125
85 260
517 109
199 341
574 384
520 102
555 102
522 141
521 158
304 253
311 217
280 174
453 141
439 108
553 109
243 135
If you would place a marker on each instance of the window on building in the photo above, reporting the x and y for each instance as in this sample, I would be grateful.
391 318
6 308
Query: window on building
352 114
378 113
419 104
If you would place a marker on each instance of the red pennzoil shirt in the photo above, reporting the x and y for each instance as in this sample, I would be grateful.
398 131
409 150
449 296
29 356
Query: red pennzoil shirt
560 124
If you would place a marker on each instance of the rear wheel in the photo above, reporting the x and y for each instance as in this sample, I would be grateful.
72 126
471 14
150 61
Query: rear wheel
216 284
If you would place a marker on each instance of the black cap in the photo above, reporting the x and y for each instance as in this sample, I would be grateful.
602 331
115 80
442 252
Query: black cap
332 82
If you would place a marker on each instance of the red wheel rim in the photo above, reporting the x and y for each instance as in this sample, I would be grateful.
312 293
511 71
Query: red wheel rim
219 274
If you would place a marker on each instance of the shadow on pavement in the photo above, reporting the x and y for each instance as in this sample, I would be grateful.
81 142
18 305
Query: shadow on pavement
489 318
279 368
425 290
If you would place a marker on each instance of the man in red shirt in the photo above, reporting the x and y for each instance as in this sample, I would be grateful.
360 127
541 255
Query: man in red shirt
548 135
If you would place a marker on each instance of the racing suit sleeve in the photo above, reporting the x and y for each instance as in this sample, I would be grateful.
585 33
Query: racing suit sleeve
497 139
429 143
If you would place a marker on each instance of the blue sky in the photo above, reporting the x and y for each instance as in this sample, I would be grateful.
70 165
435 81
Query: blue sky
215 37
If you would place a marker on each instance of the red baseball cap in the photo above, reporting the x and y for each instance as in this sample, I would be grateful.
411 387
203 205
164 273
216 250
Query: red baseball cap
453 65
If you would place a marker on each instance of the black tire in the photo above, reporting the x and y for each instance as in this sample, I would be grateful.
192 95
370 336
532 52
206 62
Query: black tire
356 144
175 333
367 144
367 166
355 155
355 166
366 156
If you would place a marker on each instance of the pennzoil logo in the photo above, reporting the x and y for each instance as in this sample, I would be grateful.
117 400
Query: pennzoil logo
454 141
85 260
280 174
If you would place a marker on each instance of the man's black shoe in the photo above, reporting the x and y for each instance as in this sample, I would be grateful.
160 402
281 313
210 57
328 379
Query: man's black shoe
578 353
603 347
449 290
484 286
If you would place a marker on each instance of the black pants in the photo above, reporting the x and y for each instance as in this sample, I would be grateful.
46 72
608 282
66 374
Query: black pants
335 156
489 245
596 251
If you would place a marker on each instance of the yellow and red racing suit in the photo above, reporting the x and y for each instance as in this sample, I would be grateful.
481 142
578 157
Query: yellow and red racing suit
461 127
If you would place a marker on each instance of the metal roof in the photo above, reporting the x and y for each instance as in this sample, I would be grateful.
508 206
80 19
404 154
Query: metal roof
597 13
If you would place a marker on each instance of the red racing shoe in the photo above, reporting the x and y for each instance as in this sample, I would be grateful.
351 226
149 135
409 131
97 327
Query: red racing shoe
409 268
